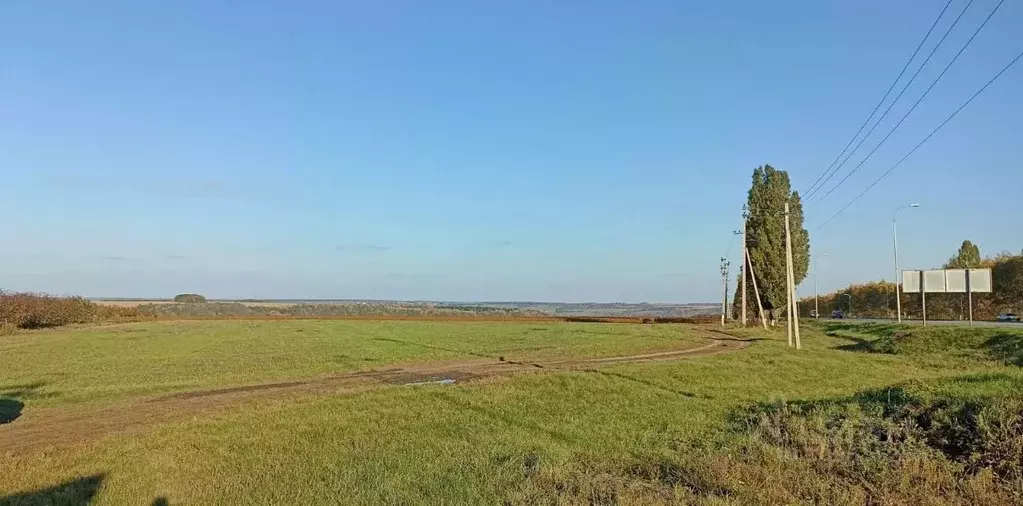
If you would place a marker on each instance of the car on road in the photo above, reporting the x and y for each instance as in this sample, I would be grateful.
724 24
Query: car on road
1007 317
813 314
837 314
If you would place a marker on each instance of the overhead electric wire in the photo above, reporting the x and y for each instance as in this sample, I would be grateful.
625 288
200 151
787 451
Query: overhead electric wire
884 115
885 97
922 142
915 104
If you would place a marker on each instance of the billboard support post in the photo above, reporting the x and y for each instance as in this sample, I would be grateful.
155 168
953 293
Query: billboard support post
969 296
923 299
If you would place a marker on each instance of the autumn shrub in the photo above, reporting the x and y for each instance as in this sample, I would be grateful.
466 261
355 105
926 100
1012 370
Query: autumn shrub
36 311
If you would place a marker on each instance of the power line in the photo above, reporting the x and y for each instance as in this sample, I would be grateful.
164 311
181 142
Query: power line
885 97
897 97
915 104
921 143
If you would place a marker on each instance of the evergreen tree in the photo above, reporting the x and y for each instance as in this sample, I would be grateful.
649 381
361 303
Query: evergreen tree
765 236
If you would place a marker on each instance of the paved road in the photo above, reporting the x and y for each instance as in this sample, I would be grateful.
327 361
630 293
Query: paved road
977 323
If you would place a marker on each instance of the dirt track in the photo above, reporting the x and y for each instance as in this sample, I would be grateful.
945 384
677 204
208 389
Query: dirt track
46 428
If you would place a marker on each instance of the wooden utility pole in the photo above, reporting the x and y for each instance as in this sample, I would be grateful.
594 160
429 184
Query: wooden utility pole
793 312
745 256
756 292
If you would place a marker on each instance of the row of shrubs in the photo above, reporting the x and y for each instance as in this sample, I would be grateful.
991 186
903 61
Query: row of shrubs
36 311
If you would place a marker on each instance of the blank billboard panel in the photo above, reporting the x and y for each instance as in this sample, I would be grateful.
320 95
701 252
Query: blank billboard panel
955 280
980 280
910 281
934 281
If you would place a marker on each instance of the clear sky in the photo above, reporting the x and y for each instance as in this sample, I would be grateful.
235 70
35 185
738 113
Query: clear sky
466 150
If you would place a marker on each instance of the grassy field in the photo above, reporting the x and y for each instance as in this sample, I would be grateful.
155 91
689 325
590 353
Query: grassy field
106 363
738 427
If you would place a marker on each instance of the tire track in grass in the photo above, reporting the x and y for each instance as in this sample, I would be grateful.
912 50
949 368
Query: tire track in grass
46 428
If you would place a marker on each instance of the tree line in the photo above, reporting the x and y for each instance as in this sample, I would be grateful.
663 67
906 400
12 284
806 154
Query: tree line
877 299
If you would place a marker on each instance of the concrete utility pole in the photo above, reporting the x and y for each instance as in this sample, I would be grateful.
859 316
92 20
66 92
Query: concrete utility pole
898 279
756 292
745 218
793 312
724 289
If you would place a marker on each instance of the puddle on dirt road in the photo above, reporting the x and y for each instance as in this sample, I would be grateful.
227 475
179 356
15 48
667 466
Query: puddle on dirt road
413 379
445 381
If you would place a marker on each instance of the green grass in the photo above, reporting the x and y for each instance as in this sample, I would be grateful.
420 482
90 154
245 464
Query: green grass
942 342
633 434
118 361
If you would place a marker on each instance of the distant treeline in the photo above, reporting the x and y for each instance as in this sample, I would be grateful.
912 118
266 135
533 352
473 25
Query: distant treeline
877 300
213 309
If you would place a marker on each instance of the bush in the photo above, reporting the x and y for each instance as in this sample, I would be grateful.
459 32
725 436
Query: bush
36 311
33 311
191 298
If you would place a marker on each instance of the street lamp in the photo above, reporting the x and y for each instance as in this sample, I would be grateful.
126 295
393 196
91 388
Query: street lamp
850 303
895 241
816 295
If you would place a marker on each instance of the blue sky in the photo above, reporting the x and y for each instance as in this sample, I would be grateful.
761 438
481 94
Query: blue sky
460 150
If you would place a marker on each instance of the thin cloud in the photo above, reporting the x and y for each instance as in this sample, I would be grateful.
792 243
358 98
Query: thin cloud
176 257
504 243
114 258
408 275
363 248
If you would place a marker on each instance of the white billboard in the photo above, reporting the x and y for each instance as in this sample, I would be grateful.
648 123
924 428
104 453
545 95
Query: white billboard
955 280
980 280
948 280
910 281
934 281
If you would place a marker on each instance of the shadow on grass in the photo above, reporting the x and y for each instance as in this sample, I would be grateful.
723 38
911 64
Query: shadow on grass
22 391
858 344
11 397
78 491
870 328
430 347
721 337
1007 347
890 399
650 384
